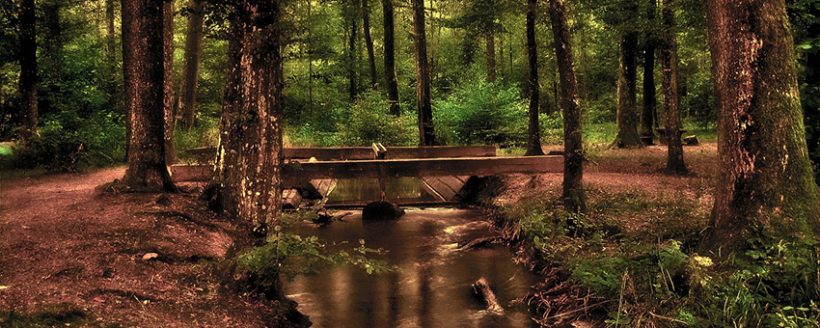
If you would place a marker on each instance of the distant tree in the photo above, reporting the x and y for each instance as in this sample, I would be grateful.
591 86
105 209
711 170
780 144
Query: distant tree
351 18
765 187
671 100
489 41
627 85
390 58
573 187
28 69
649 98
144 75
193 52
248 166
368 42
427 136
111 53
534 129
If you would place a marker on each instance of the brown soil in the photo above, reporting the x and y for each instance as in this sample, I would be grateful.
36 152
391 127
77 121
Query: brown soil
65 246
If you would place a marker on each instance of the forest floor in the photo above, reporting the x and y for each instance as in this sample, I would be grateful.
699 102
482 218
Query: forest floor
72 254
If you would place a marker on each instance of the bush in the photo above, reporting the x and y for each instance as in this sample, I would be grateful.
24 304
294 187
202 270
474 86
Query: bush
67 142
479 112
369 120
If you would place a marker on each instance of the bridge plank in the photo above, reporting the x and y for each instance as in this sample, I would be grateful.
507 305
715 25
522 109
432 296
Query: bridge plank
295 174
365 153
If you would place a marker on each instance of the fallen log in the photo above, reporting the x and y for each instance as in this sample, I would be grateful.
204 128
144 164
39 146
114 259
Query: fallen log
482 289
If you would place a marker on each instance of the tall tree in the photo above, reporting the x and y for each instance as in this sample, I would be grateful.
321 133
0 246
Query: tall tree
573 187
489 41
390 58
368 41
627 86
168 80
351 53
649 99
250 157
144 75
534 129
28 69
765 186
111 53
427 136
193 51
671 100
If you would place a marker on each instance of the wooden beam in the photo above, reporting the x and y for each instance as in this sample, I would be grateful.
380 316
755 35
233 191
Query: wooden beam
295 174
366 153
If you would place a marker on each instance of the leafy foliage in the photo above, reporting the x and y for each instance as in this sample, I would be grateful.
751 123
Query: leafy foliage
479 112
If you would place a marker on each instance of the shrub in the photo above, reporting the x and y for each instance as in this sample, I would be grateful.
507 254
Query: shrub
369 120
67 142
479 112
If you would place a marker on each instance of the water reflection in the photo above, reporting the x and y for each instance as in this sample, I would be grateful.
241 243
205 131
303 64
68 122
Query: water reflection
432 288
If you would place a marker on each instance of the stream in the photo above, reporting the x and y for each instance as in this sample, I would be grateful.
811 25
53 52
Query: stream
432 287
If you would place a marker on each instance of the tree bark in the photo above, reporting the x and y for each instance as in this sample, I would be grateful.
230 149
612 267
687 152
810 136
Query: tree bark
573 196
765 187
193 51
649 98
489 39
168 69
250 156
427 135
390 58
627 110
144 76
534 129
28 69
368 41
671 100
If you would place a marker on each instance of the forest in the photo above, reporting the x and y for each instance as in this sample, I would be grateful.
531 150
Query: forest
409 163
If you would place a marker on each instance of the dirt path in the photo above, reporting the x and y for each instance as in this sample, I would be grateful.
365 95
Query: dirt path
69 252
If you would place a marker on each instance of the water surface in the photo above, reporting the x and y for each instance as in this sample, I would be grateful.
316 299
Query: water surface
432 287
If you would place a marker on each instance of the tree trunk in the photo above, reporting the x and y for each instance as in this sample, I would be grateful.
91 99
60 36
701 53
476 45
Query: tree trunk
390 58
193 51
144 76
249 164
573 187
368 41
351 57
765 186
168 64
671 101
28 69
649 98
627 110
490 42
427 136
534 129
111 55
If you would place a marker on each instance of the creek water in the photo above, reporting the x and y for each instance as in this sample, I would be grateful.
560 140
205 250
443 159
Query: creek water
432 286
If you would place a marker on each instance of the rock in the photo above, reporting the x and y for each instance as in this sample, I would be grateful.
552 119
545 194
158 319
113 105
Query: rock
382 210
555 152
691 140
150 256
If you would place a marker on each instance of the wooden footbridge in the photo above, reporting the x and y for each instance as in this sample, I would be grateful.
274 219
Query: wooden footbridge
443 170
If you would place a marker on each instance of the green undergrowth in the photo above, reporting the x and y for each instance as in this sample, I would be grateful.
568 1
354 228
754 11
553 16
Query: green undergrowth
650 275
290 254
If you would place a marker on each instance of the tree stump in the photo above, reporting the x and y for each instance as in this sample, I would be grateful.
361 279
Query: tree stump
482 289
